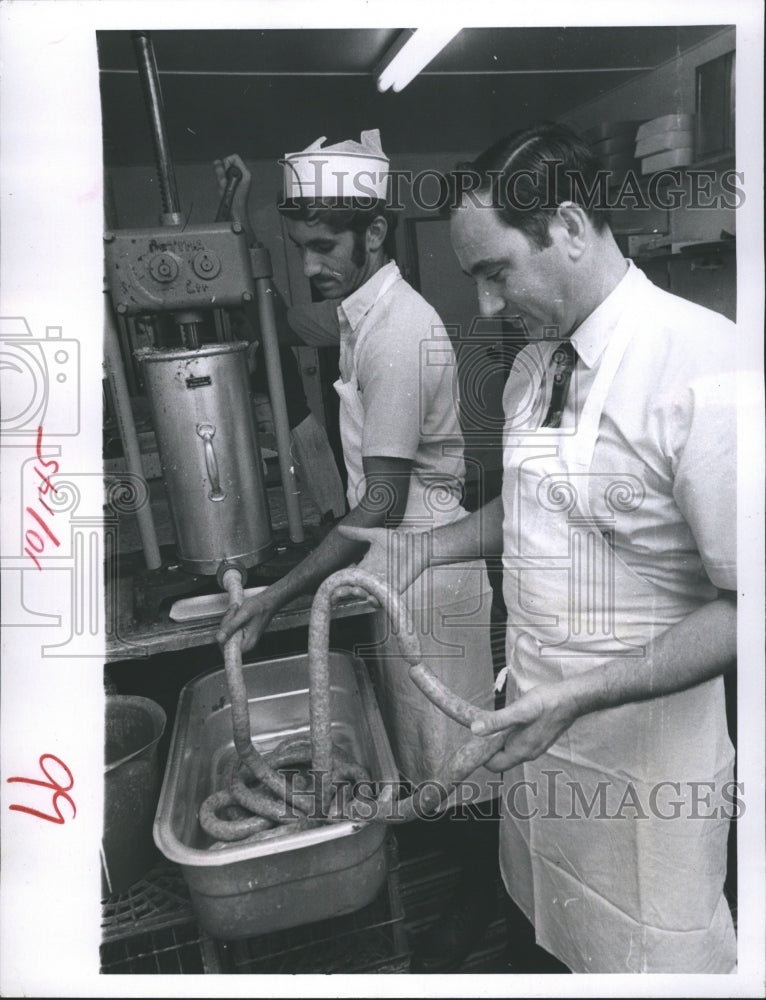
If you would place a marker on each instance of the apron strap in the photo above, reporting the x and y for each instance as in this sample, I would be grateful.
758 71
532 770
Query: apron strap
577 449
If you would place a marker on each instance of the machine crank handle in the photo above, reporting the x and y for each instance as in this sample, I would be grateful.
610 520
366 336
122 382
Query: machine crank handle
207 432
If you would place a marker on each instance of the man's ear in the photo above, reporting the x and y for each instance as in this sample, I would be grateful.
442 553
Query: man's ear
575 224
376 233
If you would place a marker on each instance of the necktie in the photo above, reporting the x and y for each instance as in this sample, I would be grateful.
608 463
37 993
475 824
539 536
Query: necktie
562 362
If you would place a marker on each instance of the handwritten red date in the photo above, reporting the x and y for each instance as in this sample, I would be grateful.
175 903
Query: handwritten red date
59 790
35 543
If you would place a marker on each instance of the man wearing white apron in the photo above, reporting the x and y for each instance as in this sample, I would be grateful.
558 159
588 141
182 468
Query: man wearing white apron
403 451
617 525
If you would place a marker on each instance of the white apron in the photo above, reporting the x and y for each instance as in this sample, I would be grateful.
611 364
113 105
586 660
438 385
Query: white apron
450 607
586 846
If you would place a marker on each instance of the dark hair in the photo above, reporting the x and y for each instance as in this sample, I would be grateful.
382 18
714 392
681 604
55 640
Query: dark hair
530 173
343 215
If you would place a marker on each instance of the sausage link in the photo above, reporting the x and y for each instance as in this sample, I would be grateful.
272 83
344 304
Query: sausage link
335 774
473 754
228 829
456 708
261 802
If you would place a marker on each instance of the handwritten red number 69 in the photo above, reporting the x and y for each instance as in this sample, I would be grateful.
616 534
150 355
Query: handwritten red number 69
59 790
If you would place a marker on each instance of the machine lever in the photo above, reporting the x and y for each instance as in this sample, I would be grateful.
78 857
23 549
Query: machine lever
207 432
233 177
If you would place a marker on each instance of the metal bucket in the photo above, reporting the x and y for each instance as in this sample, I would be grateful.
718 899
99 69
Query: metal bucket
134 727
209 452
242 889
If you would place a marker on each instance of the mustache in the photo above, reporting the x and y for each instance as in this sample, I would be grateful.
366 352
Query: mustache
327 279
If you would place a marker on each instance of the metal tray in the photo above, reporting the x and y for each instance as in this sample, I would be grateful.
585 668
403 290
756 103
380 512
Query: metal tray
243 890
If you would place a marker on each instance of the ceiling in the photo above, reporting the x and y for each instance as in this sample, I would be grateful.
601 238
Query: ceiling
268 92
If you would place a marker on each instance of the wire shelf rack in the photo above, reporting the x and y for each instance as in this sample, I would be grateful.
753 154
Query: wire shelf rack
178 949
156 902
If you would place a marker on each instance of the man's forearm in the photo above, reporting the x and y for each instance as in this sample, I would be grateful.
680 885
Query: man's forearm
478 535
701 646
694 650
332 553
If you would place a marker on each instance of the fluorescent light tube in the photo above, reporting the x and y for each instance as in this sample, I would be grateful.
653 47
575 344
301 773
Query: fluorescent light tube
417 52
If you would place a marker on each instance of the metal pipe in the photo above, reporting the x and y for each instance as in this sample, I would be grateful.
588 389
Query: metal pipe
127 426
268 329
147 71
265 294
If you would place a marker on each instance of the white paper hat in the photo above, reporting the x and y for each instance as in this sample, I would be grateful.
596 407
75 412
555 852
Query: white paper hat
348 169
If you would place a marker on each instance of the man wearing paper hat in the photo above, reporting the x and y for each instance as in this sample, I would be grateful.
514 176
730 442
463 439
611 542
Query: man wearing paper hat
403 451
339 192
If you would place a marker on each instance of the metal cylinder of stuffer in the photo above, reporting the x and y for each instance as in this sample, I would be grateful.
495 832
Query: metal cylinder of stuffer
210 456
